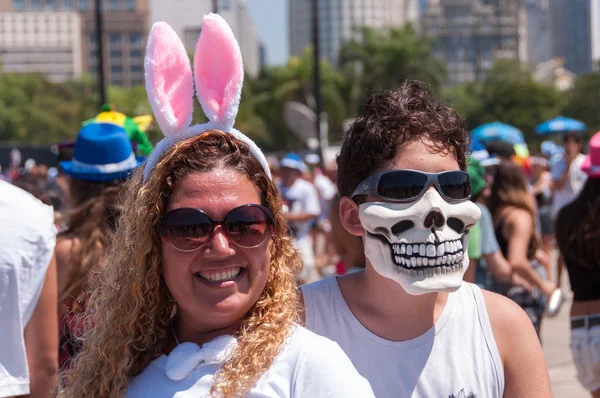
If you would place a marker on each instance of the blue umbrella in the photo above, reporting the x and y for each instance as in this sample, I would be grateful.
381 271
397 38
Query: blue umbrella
498 131
478 151
559 125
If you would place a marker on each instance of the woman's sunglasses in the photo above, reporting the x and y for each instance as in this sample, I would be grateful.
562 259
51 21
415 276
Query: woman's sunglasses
188 229
405 185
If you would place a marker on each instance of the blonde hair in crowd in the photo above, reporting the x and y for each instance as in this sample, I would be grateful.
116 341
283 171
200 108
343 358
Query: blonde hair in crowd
127 319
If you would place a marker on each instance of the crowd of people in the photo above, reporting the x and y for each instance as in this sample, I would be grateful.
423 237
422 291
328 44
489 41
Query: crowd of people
405 268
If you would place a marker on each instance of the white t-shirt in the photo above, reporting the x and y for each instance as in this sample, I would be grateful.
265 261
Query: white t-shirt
457 357
27 239
308 366
301 197
577 179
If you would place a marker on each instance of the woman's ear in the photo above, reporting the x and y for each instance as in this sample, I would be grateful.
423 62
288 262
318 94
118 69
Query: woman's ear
349 217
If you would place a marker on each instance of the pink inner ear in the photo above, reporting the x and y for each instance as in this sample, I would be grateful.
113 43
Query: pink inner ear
218 69
169 79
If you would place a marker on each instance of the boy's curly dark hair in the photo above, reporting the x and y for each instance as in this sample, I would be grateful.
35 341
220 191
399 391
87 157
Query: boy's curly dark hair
392 119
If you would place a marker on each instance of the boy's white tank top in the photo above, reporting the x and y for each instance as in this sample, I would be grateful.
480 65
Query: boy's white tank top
456 358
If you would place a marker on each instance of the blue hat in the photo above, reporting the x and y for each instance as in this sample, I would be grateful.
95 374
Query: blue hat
293 161
103 152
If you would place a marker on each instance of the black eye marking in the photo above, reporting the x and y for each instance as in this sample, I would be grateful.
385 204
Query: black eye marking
456 225
402 226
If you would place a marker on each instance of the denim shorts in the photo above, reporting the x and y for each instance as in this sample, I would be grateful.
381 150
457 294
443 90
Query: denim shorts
585 348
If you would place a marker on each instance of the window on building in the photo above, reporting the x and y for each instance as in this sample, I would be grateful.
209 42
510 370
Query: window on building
116 40
135 40
113 5
19 4
83 5
50 5
135 54
117 54
129 5
35 5
67 5
117 82
136 68
116 69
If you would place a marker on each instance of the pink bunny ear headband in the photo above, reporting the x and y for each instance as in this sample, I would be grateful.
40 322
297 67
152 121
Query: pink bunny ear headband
219 77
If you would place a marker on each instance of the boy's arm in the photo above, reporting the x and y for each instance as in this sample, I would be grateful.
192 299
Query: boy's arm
519 349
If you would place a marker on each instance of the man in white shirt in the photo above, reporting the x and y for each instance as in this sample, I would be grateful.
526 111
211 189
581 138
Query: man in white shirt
409 324
566 173
301 203
28 295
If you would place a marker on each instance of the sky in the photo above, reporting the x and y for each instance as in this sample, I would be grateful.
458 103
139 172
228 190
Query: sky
271 21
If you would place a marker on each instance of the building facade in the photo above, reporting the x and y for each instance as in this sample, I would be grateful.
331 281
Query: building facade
471 34
125 29
338 20
185 16
41 42
572 33
538 31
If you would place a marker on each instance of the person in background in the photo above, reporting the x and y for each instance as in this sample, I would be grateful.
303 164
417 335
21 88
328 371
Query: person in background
579 241
301 203
568 179
347 252
541 185
28 295
513 210
486 257
102 160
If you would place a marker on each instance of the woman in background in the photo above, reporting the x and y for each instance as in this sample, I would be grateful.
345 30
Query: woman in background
578 238
513 211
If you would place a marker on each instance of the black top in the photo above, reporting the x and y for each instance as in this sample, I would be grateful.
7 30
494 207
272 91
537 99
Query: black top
584 273
503 243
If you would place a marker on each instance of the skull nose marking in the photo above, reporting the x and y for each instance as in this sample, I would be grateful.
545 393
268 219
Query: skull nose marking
402 226
434 218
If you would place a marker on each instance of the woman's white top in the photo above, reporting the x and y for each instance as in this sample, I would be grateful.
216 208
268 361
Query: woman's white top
457 357
308 366
27 239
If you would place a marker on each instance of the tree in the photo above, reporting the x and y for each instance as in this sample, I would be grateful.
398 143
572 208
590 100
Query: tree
294 82
384 58
507 94
583 99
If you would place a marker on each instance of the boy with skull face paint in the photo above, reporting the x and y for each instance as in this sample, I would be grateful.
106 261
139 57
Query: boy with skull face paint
408 322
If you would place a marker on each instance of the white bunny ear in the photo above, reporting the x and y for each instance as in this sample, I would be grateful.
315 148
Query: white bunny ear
169 80
219 71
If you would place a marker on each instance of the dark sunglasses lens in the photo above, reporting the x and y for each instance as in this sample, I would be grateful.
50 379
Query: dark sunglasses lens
455 185
248 226
185 229
401 184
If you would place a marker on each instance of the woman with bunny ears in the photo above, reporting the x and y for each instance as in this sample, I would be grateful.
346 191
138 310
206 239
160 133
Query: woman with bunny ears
197 297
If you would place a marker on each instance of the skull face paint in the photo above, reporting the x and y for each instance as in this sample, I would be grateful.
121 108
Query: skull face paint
421 245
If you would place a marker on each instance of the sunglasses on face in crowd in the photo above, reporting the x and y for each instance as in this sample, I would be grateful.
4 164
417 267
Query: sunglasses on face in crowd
188 229
404 185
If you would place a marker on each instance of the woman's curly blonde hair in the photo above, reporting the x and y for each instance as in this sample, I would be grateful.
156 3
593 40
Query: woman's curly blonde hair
127 319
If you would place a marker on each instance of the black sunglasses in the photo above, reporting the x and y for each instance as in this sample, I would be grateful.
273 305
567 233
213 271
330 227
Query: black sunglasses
187 229
405 185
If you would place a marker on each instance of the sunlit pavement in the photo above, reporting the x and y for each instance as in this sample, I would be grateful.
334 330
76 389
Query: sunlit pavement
555 340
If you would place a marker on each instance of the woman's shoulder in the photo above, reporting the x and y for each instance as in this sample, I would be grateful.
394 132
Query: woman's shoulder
321 368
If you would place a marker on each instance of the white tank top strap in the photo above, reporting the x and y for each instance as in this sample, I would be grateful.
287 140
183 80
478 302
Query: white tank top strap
486 328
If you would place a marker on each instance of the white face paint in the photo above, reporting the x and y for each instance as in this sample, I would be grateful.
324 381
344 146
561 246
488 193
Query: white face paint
421 245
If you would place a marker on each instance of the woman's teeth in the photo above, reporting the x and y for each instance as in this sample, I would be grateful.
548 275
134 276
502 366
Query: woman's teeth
221 276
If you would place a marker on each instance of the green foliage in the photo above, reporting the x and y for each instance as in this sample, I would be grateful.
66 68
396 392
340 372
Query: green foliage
34 110
507 94
583 99
383 59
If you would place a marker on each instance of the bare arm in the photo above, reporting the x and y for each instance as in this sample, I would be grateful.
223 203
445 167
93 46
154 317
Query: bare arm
562 181
41 338
519 229
542 183
503 271
300 217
